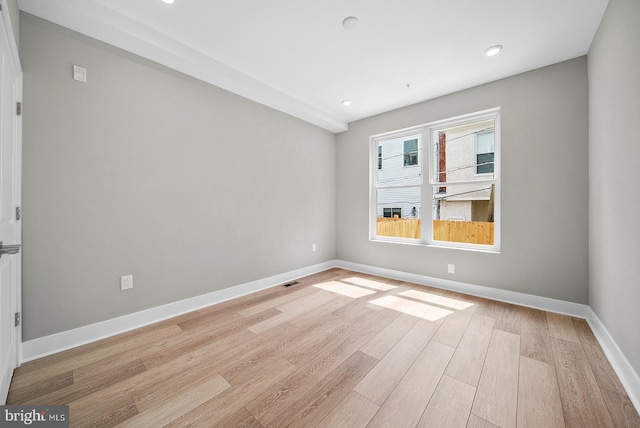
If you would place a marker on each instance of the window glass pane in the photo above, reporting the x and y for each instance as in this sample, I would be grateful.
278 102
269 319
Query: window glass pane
484 152
398 212
484 142
462 152
391 155
485 163
392 212
411 152
464 213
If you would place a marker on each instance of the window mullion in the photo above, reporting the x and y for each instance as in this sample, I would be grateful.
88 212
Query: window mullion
425 199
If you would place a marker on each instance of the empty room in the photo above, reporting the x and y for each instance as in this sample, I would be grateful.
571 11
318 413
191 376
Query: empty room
320 214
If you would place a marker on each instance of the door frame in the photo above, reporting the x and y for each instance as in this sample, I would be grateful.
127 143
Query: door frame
8 38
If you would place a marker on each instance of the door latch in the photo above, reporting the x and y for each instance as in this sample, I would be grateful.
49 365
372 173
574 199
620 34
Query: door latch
9 249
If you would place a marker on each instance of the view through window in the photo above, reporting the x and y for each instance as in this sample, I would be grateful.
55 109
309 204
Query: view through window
444 194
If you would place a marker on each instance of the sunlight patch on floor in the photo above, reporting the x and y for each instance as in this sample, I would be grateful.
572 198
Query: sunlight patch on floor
436 299
411 307
376 285
344 289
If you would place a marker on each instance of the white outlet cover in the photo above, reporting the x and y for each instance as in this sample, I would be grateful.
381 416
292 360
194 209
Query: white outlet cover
80 73
126 282
451 268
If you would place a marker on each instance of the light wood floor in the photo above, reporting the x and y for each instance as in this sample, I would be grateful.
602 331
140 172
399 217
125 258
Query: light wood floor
339 349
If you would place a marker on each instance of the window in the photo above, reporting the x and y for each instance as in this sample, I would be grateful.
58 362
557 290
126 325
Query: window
392 212
397 188
411 152
484 152
455 180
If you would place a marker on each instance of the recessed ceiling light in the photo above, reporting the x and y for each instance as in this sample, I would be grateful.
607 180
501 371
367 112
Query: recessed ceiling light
493 50
350 22
346 102
168 1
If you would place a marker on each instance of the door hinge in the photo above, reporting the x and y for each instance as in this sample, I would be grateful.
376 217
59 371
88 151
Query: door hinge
19 108
18 213
17 319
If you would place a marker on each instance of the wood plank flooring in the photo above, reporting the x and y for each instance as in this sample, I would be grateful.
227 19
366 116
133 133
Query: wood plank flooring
339 349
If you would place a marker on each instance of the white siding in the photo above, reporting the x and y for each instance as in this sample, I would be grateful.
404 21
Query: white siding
394 173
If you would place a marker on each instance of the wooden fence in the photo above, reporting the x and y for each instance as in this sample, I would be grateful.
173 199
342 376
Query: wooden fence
399 227
473 232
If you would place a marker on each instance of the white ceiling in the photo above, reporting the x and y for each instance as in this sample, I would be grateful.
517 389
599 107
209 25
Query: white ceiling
295 56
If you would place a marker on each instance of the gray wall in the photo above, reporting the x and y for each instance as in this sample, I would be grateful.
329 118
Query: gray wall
544 186
14 16
148 172
614 172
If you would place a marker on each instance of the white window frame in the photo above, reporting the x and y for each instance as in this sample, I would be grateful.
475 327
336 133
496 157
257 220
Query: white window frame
373 197
426 163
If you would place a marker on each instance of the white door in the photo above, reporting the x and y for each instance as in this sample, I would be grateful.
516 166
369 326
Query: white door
10 232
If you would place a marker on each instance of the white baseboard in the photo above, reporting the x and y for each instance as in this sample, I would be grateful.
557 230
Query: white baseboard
551 305
47 345
627 375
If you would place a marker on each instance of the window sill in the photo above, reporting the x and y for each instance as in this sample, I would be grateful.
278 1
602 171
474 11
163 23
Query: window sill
418 243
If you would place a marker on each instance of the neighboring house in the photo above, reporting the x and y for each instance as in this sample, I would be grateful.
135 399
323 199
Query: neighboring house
466 153
398 163
461 154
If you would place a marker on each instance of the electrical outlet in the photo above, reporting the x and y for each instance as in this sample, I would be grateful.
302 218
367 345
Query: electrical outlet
313 248
126 282
79 74
451 268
